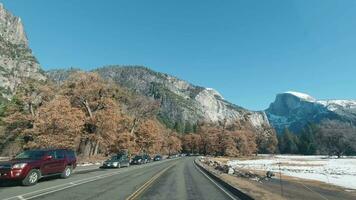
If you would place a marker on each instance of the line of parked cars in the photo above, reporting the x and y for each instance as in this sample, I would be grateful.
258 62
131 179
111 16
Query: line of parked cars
30 166
123 160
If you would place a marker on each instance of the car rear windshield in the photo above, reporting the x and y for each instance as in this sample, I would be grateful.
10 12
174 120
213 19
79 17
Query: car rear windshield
33 155
115 157
71 154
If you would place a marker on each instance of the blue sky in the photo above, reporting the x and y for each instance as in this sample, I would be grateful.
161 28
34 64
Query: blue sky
248 50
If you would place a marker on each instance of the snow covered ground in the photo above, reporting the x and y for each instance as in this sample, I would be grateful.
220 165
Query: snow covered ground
4 158
340 172
89 164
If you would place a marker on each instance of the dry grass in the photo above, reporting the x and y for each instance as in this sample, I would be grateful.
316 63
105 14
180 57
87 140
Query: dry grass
224 160
251 188
4 158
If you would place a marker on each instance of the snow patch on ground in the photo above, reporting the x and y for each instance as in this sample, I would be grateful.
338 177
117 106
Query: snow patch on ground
88 164
340 172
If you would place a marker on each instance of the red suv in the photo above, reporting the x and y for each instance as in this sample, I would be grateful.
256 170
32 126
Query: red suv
30 166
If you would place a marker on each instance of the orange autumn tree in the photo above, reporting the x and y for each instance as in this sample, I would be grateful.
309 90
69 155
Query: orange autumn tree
141 109
148 137
57 124
95 97
191 143
233 139
22 109
33 93
125 141
173 143
109 123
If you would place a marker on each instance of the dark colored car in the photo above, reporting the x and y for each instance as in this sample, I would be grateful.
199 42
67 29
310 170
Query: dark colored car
147 158
157 158
117 161
30 166
138 160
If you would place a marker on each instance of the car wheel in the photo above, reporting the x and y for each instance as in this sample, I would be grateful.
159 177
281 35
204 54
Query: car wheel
67 172
32 178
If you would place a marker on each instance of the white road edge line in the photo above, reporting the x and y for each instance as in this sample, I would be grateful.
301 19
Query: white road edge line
222 189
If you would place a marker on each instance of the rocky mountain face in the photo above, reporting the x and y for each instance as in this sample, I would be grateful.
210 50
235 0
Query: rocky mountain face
293 110
180 101
16 59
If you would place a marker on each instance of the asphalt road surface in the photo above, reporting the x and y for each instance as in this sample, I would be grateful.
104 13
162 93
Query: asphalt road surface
169 179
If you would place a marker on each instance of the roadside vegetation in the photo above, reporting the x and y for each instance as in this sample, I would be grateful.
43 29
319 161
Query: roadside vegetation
330 137
86 114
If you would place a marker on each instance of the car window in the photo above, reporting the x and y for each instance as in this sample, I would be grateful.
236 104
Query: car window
71 154
36 155
114 158
60 154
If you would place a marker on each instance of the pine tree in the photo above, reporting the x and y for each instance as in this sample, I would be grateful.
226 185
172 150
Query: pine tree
288 143
307 144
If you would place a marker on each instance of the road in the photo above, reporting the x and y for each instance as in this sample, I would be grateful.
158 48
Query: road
169 179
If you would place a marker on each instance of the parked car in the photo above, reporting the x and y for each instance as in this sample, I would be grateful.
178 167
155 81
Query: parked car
137 160
30 166
157 158
117 161
141 159
147 158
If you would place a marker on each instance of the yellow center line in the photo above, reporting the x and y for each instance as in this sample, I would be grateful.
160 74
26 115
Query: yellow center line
143 188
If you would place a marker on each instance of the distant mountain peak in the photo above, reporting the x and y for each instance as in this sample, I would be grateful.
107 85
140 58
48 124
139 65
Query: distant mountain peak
294 110
300 95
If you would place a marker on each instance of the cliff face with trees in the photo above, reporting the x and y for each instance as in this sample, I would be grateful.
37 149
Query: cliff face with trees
94 116
87 114
182 105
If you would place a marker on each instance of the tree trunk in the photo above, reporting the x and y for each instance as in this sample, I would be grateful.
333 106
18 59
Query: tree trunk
87 107
134 126
96 148
30 106
85 148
